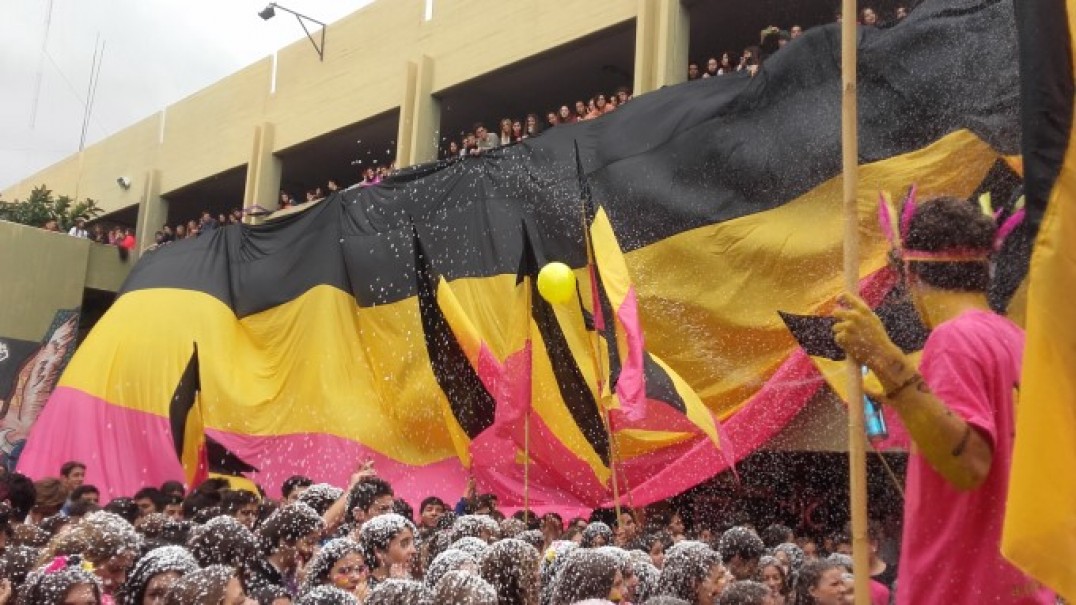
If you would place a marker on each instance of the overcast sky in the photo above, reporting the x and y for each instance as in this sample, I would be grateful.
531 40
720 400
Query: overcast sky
156 52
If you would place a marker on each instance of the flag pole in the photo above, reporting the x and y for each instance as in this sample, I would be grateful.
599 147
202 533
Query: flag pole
527 309
595 340
857 454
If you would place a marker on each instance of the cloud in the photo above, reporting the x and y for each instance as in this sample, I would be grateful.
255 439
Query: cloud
156 53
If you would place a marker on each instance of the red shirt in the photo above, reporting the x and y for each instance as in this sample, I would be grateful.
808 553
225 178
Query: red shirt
128 242
951 553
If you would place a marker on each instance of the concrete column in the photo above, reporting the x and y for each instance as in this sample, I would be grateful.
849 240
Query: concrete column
420 116
673 39
426 134
152 210
645 46
264 171
662 37
406 127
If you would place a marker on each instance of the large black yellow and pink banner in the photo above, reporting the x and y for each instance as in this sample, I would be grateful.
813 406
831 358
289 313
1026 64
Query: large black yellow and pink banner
315 350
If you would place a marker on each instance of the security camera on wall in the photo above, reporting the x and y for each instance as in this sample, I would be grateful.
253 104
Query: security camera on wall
124 182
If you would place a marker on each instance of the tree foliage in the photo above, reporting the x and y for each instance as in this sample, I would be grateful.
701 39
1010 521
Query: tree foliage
42 207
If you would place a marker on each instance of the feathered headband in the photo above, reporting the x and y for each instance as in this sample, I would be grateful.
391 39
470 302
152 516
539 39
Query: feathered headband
895 223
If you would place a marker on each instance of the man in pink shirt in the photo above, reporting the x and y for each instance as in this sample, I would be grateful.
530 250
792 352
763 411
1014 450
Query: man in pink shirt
958 408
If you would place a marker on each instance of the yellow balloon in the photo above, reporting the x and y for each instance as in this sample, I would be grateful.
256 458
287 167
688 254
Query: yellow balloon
556 283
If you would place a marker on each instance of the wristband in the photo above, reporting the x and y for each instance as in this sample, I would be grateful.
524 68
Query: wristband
892 393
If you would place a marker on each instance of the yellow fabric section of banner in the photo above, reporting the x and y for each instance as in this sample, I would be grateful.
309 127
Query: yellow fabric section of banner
315 364
1039 535
709 297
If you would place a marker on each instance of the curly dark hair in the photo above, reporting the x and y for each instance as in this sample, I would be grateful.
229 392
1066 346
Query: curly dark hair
946 223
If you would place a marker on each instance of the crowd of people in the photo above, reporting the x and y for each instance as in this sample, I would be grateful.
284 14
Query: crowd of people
321 544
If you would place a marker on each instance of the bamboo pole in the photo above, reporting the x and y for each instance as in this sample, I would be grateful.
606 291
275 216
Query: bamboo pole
857 449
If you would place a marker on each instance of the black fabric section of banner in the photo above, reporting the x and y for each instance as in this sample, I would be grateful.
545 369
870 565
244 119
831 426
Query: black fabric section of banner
472 405
573 387
660 386
183 400
223 461
675 159
1046 97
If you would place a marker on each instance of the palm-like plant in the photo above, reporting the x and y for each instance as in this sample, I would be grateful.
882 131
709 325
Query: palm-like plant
41 207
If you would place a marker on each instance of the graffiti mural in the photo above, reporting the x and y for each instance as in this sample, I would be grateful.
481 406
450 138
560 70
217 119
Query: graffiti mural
28 373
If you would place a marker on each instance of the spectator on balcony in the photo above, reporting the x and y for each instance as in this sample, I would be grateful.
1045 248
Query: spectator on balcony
726 65
192 228
623 95
565 115
207 222
612 104
453 150
713 68
79 230
580 111
693 70
505 133
98 235
333 185
517 131
128 241
286 201
533 127
470 145
797 30
902 12
868 17
181 231
369 177
52 225
484 139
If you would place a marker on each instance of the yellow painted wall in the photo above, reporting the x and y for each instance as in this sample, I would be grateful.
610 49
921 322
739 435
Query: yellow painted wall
364 74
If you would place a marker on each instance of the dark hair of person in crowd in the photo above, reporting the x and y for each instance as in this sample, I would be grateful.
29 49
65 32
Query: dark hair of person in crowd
377 536
463 588
206 586
173 488
655 543
200 507
811 578
586 574
293 483
337 551
288 526
776 534
320 497
26 534
745 592
511 567
154 574
597 534
241 504
123 507
51 495
529 519
688 566
16 562
223 541
54 524
18 491
452 559
772 573
740 551
363 495
149 500
666 600
57 581
947 223
80 508
323 595
402 508
397 592
71 466
105 540
80 493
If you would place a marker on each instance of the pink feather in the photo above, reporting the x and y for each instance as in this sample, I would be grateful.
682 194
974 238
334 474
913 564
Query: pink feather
1008 227
885 220
908 211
